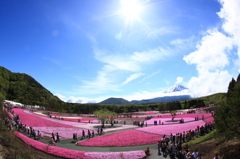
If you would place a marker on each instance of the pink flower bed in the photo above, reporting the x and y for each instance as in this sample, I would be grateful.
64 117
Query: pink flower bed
32 120
57 120
209 120
39 114
83 119
57 151
167 120
193 115
116 155
175 128
124 138
179 115
149 113
64 133
65 118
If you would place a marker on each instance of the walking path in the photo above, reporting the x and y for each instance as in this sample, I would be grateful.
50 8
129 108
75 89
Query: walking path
69 144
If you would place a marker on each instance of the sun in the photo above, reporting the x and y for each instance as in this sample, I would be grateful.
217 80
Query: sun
131 9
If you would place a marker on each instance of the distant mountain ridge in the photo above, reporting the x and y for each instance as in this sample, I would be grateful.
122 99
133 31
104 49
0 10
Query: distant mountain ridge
174 93
163 99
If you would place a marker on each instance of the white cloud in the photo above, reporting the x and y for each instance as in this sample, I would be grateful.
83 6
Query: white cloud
132 77
214 52
63 98
230 14
179 80
72 99
209 83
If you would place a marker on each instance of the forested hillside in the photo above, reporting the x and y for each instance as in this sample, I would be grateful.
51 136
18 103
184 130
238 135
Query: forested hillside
20 87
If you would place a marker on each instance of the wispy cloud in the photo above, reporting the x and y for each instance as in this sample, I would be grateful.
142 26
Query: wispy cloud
52 60
119 35
184 43
120 64
132 77
156 33
102 84
151 75
151 55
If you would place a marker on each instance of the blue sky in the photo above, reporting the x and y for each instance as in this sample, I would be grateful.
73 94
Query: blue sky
90 50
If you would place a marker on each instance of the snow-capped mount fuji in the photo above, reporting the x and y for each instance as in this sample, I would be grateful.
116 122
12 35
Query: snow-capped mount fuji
174 93
176 88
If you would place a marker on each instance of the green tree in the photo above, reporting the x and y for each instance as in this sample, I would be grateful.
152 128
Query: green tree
1 99
112 116
227 116
102 115
173 113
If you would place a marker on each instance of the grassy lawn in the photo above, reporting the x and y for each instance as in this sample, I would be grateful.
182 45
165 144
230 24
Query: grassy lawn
207 137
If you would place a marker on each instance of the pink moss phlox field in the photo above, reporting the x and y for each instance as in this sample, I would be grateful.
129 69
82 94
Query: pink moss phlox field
83 119
73 120
57 151
174 128
39 114
209 120
184 115
116 155
69 118
59 121
32 120
167 120
64 133
123 138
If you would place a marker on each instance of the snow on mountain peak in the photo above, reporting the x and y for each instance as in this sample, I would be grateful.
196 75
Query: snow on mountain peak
176 88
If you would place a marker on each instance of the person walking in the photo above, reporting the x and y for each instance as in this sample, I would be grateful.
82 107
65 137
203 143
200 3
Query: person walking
58 138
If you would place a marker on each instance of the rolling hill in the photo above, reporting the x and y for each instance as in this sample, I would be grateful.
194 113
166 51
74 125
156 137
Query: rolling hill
22 88
112 100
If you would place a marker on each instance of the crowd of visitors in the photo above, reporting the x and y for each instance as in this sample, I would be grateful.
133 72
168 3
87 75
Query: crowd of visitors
172 145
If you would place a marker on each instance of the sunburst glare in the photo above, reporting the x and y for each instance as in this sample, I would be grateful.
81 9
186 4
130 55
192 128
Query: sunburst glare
131 9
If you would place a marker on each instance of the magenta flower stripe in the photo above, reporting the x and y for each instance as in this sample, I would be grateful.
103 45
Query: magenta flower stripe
57 151
32 120
124 138
209 120
64 133
175 128
167 120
